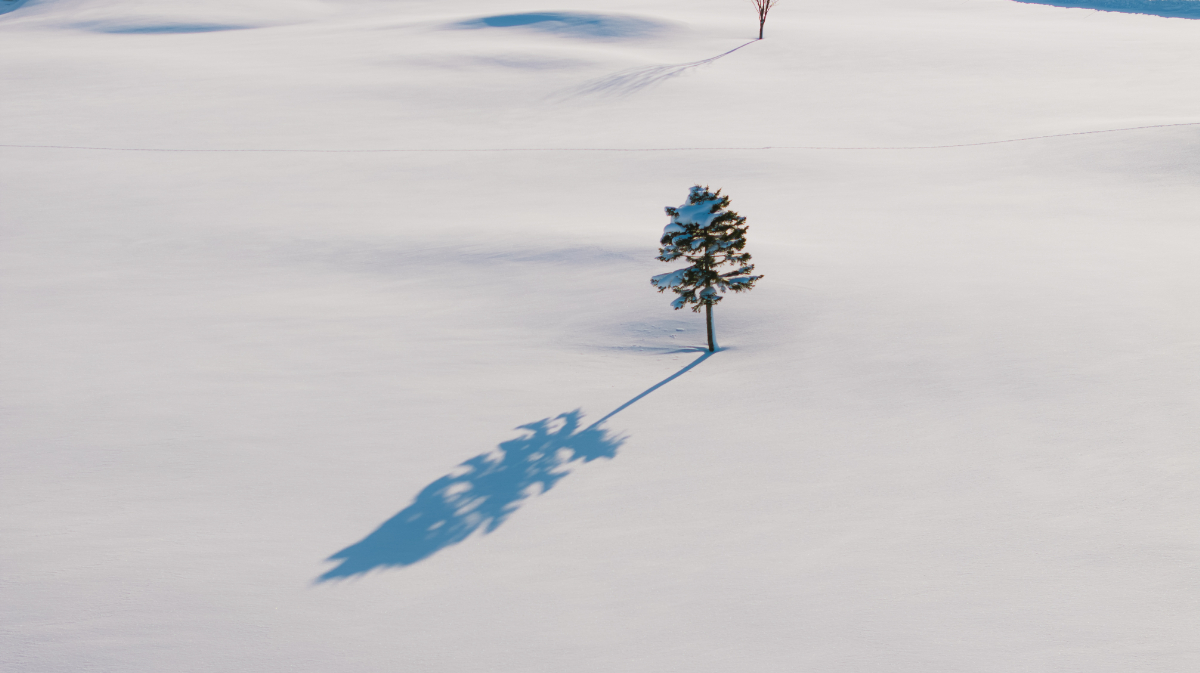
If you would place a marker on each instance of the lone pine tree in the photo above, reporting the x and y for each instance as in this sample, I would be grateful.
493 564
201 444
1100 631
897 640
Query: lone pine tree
711 238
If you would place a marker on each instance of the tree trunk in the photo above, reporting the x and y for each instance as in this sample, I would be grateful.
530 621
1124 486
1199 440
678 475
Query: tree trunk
761 23
712 344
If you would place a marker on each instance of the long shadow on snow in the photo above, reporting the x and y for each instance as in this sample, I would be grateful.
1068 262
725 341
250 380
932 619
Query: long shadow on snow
631 81
165 28
481 493
1176 9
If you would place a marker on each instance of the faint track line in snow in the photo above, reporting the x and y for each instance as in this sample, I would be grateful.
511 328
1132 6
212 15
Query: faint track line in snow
599 149
993 142
630 81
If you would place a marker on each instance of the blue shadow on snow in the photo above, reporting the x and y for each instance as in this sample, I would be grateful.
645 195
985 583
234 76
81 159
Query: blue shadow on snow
481 493
7 6
1175 9
630 81
167 29
571 24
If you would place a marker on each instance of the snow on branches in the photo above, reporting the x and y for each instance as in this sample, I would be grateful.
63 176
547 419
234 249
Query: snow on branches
711 239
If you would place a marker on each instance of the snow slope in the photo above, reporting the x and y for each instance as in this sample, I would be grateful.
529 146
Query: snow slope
1181 9
953 429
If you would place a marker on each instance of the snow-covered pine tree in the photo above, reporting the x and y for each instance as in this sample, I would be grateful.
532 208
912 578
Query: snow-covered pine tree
705 233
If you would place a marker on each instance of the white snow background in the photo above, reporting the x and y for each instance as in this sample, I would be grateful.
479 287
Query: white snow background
953 429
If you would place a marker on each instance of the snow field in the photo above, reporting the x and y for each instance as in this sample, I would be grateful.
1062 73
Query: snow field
953 428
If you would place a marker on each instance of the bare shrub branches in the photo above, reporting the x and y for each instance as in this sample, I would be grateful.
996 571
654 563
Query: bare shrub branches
763 7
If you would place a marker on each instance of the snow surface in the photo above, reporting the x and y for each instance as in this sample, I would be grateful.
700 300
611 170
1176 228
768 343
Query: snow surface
1182 9
955 431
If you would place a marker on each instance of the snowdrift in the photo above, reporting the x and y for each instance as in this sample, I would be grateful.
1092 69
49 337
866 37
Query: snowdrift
1181 9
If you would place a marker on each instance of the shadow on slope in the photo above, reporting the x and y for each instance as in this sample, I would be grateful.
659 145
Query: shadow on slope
1176 9
631 81
481 493
161 29
7 6
569 24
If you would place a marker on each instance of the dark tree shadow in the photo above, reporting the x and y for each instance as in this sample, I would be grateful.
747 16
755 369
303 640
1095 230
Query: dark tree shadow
481 493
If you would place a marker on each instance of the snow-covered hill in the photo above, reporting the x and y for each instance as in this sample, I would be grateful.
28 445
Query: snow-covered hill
1182 9
344 355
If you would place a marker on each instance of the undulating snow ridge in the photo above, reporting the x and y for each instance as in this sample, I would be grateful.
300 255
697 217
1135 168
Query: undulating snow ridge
572 24
7 6
609 149
1181 9
161 17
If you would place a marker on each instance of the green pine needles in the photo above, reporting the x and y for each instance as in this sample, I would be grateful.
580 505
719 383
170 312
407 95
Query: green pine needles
711 238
